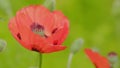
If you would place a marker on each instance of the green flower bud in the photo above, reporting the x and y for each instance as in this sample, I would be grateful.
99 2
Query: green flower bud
6 6
2 45
116 8
50 4
77 44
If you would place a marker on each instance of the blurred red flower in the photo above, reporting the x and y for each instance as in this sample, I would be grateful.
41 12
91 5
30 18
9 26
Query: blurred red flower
98 60
38 29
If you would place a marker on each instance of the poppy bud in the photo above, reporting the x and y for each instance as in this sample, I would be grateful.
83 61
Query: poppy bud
2 45
6 6
77 44
116 8
50 4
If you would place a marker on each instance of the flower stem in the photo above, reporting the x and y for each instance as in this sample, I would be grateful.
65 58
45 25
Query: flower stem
111 66
69 60
40 60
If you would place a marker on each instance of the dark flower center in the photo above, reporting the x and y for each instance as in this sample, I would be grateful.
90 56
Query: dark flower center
38 29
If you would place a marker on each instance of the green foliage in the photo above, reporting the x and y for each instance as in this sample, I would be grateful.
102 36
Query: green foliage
90 19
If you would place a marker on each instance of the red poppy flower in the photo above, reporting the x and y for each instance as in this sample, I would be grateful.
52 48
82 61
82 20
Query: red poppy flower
38 29
98 60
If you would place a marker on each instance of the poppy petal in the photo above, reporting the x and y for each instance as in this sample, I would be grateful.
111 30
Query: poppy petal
24 17
53 48
62 31
15 32
45 18
43 46
23 29
98 60
30 10
28 38
39 43
60 19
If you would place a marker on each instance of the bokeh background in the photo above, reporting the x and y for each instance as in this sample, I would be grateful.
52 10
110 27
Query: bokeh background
97 22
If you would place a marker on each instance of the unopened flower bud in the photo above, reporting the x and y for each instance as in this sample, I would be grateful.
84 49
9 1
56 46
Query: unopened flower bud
116 8
50 4
77 44
6 6
2 45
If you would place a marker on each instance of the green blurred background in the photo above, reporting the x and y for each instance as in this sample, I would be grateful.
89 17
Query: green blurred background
92 20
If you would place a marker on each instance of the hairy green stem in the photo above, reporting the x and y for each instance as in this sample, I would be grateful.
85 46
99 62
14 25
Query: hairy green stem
40 60
69 60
